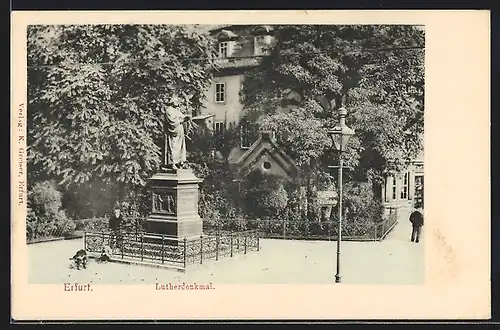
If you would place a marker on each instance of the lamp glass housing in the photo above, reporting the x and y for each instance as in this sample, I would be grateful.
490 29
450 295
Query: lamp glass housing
340 136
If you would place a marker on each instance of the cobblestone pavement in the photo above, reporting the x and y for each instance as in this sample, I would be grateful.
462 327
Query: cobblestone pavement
393 261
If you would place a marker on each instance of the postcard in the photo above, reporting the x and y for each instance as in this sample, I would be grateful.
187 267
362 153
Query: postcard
270 166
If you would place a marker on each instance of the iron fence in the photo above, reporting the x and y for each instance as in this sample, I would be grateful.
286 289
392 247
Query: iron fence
47 235
76 228
267 228
383 228
310 230
176 252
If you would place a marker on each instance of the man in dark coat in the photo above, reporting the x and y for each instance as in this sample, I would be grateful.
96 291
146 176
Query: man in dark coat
115 223
417 221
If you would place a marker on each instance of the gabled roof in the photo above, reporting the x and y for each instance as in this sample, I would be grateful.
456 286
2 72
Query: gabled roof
265 151
213 28
226 34
256 27
262 29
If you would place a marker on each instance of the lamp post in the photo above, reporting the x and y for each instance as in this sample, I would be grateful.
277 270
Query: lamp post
340 136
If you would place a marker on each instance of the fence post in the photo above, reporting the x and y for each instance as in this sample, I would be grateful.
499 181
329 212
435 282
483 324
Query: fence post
217 246
231 243
142 247
121 250
185 241
85 240
121 233
245 242
162 249
258 240
284 229
201 249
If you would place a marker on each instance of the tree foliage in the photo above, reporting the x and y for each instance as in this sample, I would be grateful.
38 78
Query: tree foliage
264 195
376 72
97 95
45 216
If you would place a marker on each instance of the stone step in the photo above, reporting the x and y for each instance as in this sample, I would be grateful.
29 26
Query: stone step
148 263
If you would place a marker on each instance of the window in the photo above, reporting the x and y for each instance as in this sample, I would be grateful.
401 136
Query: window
419 191
259 45
404 188
220 92
394 188
244 135
219 127
223 49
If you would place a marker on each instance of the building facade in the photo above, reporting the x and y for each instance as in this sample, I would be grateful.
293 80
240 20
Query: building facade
241 47
405 189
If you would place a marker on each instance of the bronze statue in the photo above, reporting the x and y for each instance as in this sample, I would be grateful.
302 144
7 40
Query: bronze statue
178 127
175 139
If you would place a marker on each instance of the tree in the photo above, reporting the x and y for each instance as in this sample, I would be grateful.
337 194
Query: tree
97 93
375 71
45 216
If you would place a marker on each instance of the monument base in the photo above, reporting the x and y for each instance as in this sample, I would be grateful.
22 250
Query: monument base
174 230
174 215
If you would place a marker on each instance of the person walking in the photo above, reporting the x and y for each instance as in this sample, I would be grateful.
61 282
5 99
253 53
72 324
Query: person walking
417 221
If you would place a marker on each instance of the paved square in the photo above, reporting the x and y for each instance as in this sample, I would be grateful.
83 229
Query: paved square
393 261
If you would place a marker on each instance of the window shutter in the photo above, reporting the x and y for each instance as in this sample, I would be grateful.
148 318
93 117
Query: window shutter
410 185
230 48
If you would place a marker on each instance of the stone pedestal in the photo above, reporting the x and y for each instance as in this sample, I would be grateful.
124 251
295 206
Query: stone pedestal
174 205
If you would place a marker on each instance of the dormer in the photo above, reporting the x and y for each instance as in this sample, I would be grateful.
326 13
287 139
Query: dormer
262 35
262 30
226 43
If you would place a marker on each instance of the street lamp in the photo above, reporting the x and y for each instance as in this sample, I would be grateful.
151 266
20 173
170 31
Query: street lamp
340 136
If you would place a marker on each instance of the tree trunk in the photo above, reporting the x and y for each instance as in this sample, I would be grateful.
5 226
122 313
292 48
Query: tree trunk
121 193
309 194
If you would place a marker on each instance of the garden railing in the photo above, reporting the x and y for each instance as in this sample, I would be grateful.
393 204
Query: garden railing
268 228
174 252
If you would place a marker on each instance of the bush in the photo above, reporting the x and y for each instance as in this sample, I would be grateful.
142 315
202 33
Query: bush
91 199
93 225
265 196
217 203
361 210
136 203
98 198
209 204
45 217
